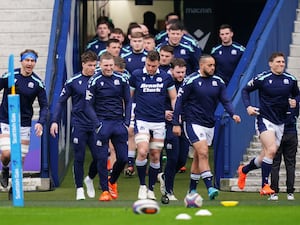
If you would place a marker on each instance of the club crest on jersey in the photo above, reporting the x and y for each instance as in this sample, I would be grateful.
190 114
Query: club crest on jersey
214 83
129 59
116 82
270 81
286 81
75 140
80 82
220 52
182 52
101 83
96 46
143 59
233 52
143 78
30 85
158 79
99 143
200 83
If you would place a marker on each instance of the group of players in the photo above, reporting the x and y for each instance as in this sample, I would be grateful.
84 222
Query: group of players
155 93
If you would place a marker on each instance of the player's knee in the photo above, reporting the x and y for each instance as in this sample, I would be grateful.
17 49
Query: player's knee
156 145
5 144
142 154
5 155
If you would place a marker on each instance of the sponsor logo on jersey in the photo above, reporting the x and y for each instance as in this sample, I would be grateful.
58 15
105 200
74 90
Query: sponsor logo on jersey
88 95
152 87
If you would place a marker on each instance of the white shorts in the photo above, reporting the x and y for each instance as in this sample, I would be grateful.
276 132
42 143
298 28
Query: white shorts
262 124
195 133
5 138
157 130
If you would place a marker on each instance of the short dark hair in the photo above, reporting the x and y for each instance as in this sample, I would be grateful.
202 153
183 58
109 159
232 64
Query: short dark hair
149 36
88 56
274 55
167 48
176 25
131 26
117 30
112 40
171 14
178 62
225 26
153 56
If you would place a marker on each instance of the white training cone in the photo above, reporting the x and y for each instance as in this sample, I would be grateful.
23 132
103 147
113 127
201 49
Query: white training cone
203 212
183 216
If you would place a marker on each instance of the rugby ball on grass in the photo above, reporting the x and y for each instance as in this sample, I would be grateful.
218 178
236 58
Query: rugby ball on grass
193 200
145 206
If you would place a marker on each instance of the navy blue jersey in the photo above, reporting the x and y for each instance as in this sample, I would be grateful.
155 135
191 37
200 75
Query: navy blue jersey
150 93
75 88
165 68
274 92
96 45
108 98
186 52
134 60
28 88
198 99
227 58
125 49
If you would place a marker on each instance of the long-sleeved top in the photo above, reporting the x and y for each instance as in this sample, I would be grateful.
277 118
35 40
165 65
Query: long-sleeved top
274 92
28 88
108 98
75 88
198 98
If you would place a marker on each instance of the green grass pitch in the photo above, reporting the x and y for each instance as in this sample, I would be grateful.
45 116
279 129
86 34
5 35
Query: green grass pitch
59 207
